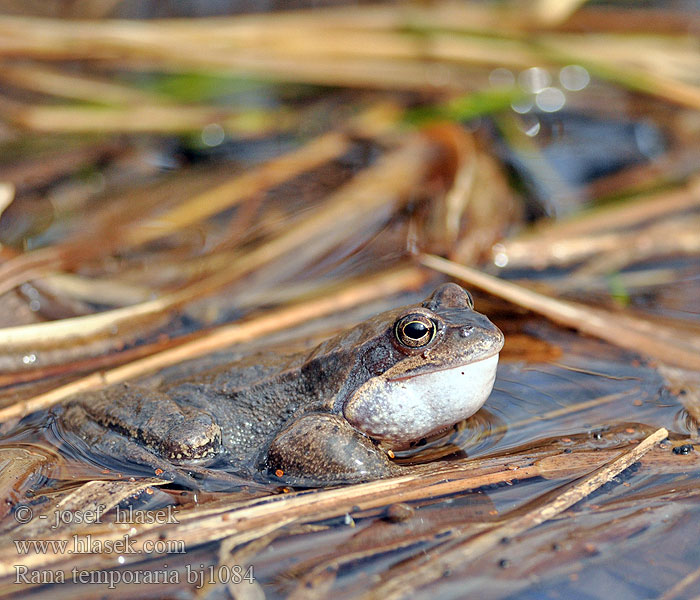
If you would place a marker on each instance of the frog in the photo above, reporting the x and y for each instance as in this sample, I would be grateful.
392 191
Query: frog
331 415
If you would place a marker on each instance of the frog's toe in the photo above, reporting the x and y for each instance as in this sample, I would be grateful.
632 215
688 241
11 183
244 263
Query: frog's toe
195 439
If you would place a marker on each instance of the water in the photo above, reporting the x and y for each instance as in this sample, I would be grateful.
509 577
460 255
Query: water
577 141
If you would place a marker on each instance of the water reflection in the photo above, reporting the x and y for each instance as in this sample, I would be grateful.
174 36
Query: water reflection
574 78
541 93
472 436
534 79
576 395
550 99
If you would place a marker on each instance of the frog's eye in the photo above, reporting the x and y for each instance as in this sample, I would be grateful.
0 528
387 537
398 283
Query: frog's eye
415 331
470 300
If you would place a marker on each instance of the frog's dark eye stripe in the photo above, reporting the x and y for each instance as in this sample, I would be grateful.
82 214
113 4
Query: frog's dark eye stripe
415 331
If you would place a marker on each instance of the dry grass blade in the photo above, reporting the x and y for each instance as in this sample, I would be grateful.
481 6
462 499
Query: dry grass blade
241 522
96 496
17 465
251 520
230 553
139 229
379 47
679 589
57 83
25 267
372 288
456 554
578 463
668 238
64 331
146 119
246 521
106 290
557 466
7 195
553 12
368 199
230 193
646 337
564 242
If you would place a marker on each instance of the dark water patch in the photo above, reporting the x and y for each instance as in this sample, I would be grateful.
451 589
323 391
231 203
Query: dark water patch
548 400
578 149
477 434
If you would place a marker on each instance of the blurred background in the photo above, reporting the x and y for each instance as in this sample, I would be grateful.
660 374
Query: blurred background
196 180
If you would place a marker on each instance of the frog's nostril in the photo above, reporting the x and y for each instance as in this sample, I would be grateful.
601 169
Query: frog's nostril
466 330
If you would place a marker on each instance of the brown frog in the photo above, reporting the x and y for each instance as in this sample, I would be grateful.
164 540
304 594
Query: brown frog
328 416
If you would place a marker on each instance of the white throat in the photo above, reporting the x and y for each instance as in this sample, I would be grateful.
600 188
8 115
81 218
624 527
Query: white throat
400 411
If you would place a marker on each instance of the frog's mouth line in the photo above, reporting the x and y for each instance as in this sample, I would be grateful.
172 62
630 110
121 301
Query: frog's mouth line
455 367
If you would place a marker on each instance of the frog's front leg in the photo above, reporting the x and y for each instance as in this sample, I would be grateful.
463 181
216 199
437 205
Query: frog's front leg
177 433
324 449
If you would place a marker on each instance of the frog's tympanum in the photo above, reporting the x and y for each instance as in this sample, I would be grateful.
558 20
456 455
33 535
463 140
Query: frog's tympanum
328 416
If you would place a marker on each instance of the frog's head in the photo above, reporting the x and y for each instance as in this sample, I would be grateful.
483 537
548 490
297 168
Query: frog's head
434 365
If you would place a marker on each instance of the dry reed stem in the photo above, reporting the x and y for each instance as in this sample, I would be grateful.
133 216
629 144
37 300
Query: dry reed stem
280 30
106 290
372 195
243 521
7 195
42 261
639 335
552 12
559 466
680 587
664 57
27 270
147 119
54 82
75 329
623 20
441 15
39 263
564 241
672 237
17 465
89 496
306 48
454 555
376 287
230 193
